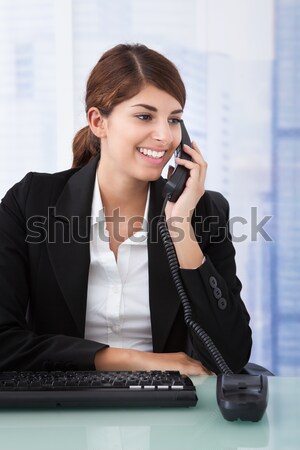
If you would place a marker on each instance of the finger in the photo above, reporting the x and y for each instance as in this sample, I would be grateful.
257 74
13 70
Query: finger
195 153
207 371
198 162
195 367
202 162
187 163
195 371
204 371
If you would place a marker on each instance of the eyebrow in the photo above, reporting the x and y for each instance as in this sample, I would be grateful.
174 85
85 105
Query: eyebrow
152 108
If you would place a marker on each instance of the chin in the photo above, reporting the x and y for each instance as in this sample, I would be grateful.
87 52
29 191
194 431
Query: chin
154 178
149 175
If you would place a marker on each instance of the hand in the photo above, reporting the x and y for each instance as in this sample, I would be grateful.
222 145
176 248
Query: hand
125 359
175 361
194 188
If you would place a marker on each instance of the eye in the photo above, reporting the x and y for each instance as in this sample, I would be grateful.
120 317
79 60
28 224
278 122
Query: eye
174 120
144 117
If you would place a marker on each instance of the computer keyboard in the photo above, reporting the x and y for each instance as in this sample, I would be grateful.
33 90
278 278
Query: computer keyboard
96 389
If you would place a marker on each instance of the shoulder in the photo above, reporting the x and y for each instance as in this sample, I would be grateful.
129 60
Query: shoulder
213 204
215 200
46 182
37 187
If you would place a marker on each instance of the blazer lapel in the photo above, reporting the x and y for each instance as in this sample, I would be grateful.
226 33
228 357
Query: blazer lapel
69 253
69 225
164 300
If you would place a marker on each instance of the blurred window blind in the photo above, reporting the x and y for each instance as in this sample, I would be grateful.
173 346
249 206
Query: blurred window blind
36 88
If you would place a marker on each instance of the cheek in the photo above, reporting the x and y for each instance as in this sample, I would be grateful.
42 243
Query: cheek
124 133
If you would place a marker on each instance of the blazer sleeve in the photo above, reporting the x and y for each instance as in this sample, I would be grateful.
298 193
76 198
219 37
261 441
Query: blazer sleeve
214 291
20 347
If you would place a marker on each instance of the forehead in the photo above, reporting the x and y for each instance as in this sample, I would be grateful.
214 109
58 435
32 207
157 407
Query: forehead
152 96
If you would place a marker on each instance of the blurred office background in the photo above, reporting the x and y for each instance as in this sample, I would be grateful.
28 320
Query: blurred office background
240 60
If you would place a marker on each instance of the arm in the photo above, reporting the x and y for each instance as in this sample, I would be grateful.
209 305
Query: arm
212 285
20 347
126 359
214 291
189 253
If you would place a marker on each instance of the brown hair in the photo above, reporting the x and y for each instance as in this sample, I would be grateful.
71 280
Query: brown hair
120 74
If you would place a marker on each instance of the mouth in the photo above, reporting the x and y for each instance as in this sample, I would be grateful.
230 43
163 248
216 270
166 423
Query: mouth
150 153
151 156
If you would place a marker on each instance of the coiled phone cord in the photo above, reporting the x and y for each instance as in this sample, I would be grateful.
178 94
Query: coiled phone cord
187 310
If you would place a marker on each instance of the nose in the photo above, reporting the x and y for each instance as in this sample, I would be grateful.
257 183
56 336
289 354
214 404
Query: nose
162 132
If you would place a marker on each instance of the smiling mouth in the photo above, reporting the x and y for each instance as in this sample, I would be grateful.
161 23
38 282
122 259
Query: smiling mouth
151 153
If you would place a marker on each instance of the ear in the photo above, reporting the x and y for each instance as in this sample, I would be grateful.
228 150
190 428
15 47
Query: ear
97 122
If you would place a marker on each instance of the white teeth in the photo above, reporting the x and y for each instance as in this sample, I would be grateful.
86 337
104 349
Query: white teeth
152 153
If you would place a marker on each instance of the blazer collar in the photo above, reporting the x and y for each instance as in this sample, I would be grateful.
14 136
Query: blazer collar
76 198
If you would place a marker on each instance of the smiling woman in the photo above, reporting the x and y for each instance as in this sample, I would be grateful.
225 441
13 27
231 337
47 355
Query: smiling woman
120 74
96 260
133 140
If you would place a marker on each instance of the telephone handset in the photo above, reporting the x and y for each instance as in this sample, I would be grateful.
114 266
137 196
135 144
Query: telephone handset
175 185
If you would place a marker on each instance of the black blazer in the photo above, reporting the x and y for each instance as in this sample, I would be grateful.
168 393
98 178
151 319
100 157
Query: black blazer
44 265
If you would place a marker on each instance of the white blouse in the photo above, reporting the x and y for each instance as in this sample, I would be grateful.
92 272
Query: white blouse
118 312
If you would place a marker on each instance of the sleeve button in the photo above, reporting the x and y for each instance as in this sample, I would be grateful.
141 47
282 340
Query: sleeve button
217 293
213 282
222 303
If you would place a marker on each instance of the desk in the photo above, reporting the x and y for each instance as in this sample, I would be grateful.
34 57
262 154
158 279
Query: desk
201 427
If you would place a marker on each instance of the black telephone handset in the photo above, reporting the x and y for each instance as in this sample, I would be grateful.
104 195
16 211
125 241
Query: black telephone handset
175 185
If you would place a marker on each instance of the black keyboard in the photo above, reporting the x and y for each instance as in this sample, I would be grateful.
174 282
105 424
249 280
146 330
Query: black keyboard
94 388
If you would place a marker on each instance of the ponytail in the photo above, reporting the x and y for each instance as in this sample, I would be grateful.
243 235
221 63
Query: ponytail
85 146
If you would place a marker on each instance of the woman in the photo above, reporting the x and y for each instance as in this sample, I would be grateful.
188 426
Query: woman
85 281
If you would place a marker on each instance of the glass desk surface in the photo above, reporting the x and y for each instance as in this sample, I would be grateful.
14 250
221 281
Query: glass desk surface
200 427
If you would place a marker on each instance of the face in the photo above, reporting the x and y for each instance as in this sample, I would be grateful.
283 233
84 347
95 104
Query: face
141 134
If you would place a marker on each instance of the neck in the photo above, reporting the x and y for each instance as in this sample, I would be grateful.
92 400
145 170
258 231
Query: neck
117 192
